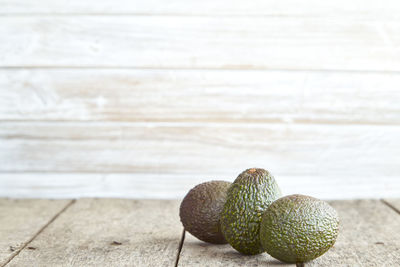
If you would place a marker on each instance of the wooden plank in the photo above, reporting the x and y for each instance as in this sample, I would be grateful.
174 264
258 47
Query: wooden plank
197 253
175 185
368 236
199 42
104 232
340 8
171 148
199 96
330 160
21 220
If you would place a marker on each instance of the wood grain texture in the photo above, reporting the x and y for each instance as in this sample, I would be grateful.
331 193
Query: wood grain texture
180 91
96 232
328 161
198 253
199 42
334 150
368 236
20 220
199 96
172 186
360 8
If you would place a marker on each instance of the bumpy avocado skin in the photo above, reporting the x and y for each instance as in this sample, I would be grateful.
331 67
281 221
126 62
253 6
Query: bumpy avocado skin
201 209
298 228
248 197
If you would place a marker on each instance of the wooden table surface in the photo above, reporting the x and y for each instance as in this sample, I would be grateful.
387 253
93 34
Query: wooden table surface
122 232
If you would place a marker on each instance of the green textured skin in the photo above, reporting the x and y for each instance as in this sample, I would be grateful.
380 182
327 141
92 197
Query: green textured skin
201 209
298 228
248 197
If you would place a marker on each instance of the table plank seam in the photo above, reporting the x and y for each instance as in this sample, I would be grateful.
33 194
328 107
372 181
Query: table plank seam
386 203
180 248
18 251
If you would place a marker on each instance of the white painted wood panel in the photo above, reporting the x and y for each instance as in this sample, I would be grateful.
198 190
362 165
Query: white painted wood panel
176 186
148 98
371 9
199 96
290 149
199 42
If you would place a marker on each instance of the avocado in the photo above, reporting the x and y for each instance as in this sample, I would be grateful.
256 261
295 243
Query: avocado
201 208
248 197
298 228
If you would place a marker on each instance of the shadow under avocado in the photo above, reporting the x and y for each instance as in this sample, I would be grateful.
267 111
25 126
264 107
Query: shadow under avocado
225 251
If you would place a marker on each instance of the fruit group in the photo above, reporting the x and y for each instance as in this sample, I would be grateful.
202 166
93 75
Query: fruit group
248 197
298 228
201 208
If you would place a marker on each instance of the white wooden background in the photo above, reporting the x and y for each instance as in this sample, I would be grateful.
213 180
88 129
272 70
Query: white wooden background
145 99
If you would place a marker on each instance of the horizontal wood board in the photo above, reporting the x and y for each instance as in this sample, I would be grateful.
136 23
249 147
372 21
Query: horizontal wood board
299 43
209 148
167 186
199 96
385 9
130 157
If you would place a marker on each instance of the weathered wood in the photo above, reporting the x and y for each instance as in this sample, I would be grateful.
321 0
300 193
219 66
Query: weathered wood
176 185
202 96
394 203
198 253
369 236
361 35
21 220
309 150
104 232
386 9
199 42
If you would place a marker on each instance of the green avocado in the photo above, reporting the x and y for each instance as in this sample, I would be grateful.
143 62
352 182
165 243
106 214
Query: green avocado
298 228
201 208
248 197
